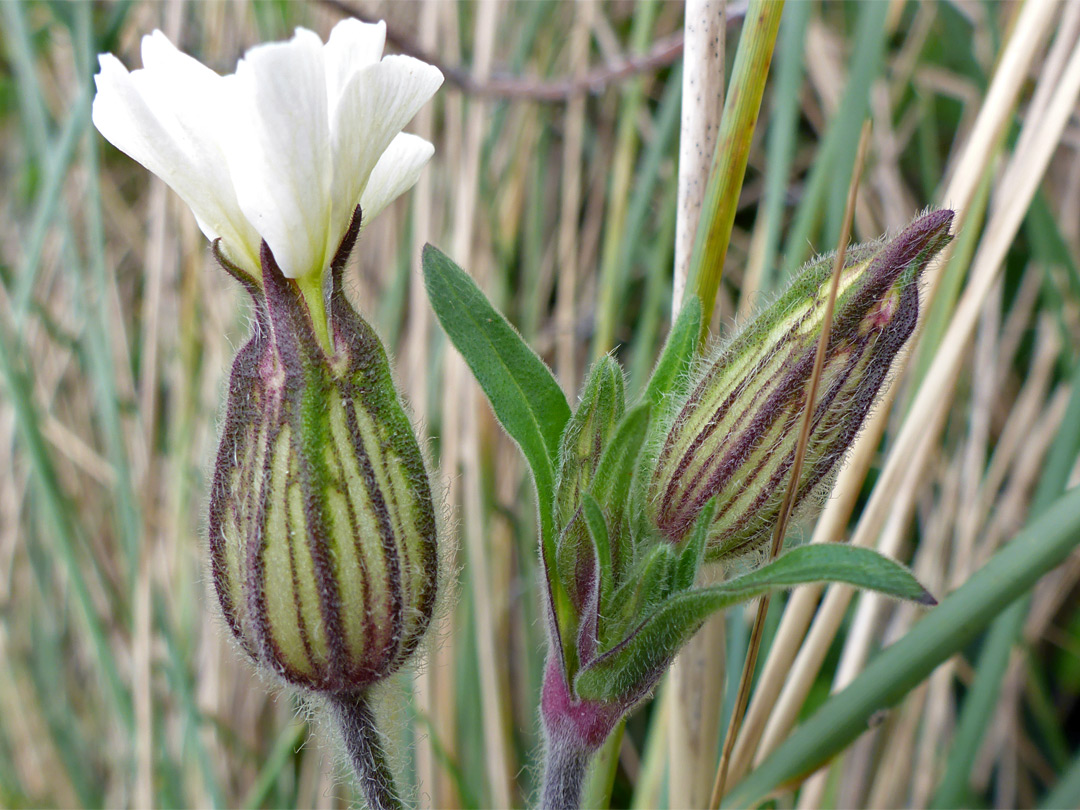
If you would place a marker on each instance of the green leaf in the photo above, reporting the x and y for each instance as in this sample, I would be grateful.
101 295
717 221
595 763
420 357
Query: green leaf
633 665
523 394
637 595
1044 544
678 354
594 519
587 433
692 554
612 481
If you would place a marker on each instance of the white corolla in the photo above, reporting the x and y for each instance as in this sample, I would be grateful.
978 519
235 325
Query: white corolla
284 149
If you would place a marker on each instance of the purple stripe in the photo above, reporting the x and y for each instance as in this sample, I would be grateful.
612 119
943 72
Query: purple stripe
386 531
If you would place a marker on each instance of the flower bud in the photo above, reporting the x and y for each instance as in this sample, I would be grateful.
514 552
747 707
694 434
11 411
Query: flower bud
602 406
735 435
322 527
583 443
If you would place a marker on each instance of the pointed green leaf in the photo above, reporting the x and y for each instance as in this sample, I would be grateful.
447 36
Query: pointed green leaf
641 591
632 666
678 353
523 394
692 554
836 562
612 482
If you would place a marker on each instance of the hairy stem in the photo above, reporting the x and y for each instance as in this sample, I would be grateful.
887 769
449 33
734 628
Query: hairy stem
565 766
363 742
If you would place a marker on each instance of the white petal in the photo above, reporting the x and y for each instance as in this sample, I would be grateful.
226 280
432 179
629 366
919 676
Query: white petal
352 46
279 149
396 172
375 106
171 134
163 58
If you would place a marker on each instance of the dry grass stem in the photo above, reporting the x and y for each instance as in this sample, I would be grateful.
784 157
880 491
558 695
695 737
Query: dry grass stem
566 344
696 680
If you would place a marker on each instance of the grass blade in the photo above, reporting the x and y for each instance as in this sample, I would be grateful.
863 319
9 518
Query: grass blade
1066 793
1040 547
978 707
835 161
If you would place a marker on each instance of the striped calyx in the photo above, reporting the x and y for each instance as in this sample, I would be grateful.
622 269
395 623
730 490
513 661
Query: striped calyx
322 526
734 437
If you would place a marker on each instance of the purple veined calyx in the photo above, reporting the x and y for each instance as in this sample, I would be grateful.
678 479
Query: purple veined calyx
733 435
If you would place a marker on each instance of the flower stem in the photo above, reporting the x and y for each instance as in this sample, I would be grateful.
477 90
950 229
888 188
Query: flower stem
565 766
363 742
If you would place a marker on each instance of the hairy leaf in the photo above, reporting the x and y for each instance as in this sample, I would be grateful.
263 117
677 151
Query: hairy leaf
643 589
631 668
523 393
678 354
692 554
598 530
611 484
587 433
612 480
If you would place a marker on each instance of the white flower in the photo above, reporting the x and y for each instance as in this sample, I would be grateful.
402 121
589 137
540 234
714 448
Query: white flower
282 150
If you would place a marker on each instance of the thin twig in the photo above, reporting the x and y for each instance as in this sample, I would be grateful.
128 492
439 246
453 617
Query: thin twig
664 52
743 695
